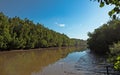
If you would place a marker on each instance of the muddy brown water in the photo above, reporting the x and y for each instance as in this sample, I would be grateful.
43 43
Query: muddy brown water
50 62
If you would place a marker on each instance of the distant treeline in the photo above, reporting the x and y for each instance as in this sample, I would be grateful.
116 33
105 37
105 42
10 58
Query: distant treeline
16 33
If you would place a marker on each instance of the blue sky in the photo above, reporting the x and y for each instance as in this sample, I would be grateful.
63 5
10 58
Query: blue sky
75 18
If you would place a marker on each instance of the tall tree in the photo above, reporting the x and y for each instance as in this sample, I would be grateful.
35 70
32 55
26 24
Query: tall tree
5 36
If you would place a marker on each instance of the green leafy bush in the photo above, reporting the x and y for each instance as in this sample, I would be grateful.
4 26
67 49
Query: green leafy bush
117 63
115 55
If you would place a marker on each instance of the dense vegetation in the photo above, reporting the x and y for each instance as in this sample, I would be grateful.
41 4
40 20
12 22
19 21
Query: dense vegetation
114 55
106 39
16 33
104 36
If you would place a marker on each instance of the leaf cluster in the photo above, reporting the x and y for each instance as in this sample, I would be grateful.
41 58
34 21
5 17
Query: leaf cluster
115 11
114 56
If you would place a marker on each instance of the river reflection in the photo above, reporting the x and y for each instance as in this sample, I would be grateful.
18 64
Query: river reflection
76 63
37 62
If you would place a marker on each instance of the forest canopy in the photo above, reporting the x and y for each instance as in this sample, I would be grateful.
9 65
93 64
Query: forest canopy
16 33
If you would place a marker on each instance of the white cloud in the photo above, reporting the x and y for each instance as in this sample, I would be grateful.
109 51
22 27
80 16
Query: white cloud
60 24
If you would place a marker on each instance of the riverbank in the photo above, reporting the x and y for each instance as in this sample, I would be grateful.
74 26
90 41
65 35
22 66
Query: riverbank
40 49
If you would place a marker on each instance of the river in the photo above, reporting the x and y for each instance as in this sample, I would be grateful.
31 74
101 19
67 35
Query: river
70 61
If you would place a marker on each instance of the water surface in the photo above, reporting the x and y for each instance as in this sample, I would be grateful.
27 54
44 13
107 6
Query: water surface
65 61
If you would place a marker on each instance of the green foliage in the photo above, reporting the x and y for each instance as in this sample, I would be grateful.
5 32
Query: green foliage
104 36
5 36
115 3
106 39
44 43
115 55
117 63
115 48
102 4
16 33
